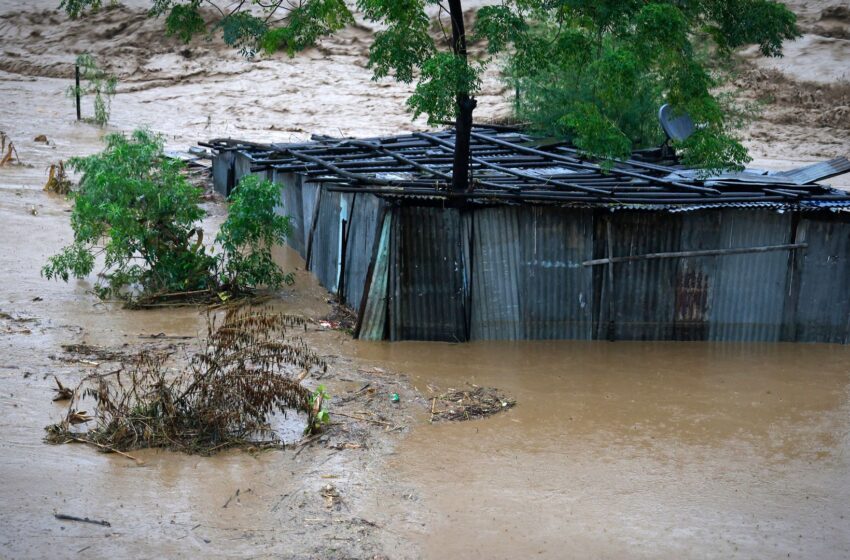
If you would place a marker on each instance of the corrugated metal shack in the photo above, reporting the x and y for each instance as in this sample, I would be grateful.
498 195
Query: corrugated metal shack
549 246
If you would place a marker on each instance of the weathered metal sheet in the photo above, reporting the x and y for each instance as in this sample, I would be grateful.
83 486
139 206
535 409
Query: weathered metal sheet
495 269
817 171
364 226
222 171
700 231
823 300
309 205
555 290
747 299
242 162
516 272
291 205
551 173
426 275
325 253
643 302
374 320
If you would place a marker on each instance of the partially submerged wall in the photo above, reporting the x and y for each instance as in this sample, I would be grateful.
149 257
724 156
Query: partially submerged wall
426 272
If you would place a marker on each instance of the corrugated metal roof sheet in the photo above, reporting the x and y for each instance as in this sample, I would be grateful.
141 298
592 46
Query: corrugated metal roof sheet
511 167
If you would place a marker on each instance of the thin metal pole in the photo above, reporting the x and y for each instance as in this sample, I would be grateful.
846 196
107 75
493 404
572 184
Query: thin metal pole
77 90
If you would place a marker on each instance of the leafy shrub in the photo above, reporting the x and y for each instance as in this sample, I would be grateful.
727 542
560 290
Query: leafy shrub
136 210
554 100
99 83
252 228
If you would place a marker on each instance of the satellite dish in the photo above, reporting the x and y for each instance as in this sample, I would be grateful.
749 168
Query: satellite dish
676 127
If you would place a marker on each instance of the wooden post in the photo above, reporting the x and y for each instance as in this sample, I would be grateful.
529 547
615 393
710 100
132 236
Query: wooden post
77 90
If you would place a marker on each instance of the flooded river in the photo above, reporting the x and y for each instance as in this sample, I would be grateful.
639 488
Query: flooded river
614 450
632 450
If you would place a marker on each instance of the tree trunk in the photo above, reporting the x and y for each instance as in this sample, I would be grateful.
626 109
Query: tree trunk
465 106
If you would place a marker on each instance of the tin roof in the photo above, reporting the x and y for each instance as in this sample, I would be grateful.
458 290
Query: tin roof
510 166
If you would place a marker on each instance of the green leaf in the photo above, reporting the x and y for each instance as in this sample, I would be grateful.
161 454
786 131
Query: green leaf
444 76
185 21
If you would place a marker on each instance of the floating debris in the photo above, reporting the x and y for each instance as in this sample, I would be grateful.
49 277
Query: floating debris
468 404
62 393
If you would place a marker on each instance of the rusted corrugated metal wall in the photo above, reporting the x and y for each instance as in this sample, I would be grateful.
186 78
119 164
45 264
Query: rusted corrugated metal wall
495 268
698 231
642 305
373 320
556 291
309 206
518 272
242 163
222 172
731 297
748 291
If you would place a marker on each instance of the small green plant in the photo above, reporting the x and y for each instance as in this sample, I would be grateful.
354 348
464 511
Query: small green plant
135 209
319 412
99 83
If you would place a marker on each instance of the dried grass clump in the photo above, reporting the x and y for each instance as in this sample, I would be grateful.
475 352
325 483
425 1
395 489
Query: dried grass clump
57 179
8 152
223 398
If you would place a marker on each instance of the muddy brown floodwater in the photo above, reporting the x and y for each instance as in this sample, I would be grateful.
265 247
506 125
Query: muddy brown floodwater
614 450
632 450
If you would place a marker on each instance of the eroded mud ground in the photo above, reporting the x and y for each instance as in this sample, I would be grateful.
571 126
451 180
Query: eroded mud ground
621 450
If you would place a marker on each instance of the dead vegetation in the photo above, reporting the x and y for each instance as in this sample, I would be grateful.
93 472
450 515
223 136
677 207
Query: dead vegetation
8 152
244 373
468 404
87 352
16 323
57 179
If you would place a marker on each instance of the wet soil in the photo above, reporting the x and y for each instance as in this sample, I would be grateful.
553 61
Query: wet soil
613 450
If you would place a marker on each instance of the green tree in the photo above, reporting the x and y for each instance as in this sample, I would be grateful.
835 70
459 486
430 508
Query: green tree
136 210
619 42
597 71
